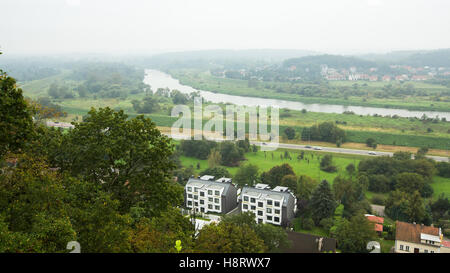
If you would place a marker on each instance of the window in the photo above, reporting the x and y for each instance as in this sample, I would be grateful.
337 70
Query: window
202 193
407 248
431 251
260 213
189 195
269 218
210 199
202 209
277 204
260 204
209 192
253 207
202 202
217 208
269 210
425 250
245 206
195 197
196 204
210 206
252 200
189 203
401 247
260 220
277 211
217 192
276 219
216 200
189 189
269 202
195 189
245 198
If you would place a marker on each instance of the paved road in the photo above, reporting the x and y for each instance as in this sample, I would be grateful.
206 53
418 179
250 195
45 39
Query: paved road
343 150
333 149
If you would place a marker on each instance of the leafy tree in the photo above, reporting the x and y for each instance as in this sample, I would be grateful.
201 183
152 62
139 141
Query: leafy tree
402 155
305 187
217 172
290 181
231 154
350 168
322 202
275 238
274 176
128 158
409 182
159 234
228 238
290 133
326 164
353 235
16 124
214 158
247 175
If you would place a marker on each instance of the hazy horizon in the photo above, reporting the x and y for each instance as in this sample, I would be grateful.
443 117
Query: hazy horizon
151 27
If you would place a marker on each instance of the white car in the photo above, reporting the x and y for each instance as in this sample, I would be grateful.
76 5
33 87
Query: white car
372 153
317 148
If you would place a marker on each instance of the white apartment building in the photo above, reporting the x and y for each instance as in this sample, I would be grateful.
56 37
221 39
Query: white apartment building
204 194
275 206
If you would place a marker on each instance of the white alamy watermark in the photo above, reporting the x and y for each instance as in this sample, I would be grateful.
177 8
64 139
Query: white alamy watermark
235 119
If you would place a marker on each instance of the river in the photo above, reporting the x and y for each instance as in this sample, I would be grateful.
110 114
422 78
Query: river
157 79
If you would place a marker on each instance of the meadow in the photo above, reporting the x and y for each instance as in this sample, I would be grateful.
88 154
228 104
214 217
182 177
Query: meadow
312 169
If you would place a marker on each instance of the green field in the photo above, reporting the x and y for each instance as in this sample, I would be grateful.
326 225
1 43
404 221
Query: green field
205 81
439 184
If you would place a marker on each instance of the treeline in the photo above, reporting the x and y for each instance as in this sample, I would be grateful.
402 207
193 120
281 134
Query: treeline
106 80
227 153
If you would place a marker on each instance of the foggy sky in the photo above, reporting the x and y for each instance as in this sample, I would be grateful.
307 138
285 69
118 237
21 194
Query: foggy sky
149 26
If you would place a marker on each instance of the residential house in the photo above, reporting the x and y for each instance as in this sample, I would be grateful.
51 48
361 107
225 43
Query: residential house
275 206
377 221
204 194
417 238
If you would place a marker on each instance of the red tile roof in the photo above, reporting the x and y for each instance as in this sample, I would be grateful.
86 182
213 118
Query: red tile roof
411 232
446 243
375 219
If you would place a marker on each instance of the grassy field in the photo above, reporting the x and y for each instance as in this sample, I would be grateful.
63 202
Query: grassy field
205 81
312 169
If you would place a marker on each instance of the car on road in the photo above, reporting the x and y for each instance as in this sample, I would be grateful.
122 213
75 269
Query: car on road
317 148
372 153
264 143
307 146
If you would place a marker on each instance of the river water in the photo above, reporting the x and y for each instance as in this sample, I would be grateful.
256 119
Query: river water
157 79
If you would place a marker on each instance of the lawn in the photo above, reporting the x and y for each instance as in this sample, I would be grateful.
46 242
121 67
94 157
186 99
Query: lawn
301 167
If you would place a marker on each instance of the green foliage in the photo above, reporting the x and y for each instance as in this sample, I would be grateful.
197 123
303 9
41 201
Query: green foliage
326 164
247 174
326 131
217 172
228 238
354 234
322 202
290 133
275 175
16 124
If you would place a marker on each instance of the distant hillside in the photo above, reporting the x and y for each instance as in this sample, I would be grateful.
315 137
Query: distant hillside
214 58
434 58
335 61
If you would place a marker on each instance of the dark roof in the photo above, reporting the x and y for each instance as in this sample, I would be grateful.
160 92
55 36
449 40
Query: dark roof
306 243
411 232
